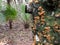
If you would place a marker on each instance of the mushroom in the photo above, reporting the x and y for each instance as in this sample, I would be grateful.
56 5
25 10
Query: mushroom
57 15
42 20
37 17
36 1
34 27
48 37
41 13
56 26
47 28
35 21
40 8
42 23
42 16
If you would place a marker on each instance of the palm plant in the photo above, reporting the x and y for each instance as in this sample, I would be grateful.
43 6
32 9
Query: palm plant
25 16
10 14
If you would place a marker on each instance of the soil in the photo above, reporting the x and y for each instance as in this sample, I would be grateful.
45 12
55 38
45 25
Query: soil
18 35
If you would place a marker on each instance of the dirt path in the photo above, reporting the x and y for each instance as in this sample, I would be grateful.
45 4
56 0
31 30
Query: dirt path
17 36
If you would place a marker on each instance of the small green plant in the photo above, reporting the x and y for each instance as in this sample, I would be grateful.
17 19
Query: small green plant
25 16
10 14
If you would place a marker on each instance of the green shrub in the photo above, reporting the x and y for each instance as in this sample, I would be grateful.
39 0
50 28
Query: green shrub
10 13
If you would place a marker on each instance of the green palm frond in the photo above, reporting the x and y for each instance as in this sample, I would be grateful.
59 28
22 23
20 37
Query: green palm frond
10 13
25 16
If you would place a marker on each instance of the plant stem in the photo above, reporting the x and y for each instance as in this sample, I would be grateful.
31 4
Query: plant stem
10 24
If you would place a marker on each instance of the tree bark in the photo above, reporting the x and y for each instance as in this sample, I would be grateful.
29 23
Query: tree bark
10 24
8 2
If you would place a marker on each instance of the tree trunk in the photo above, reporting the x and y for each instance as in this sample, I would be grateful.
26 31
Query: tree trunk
10 24
8 2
